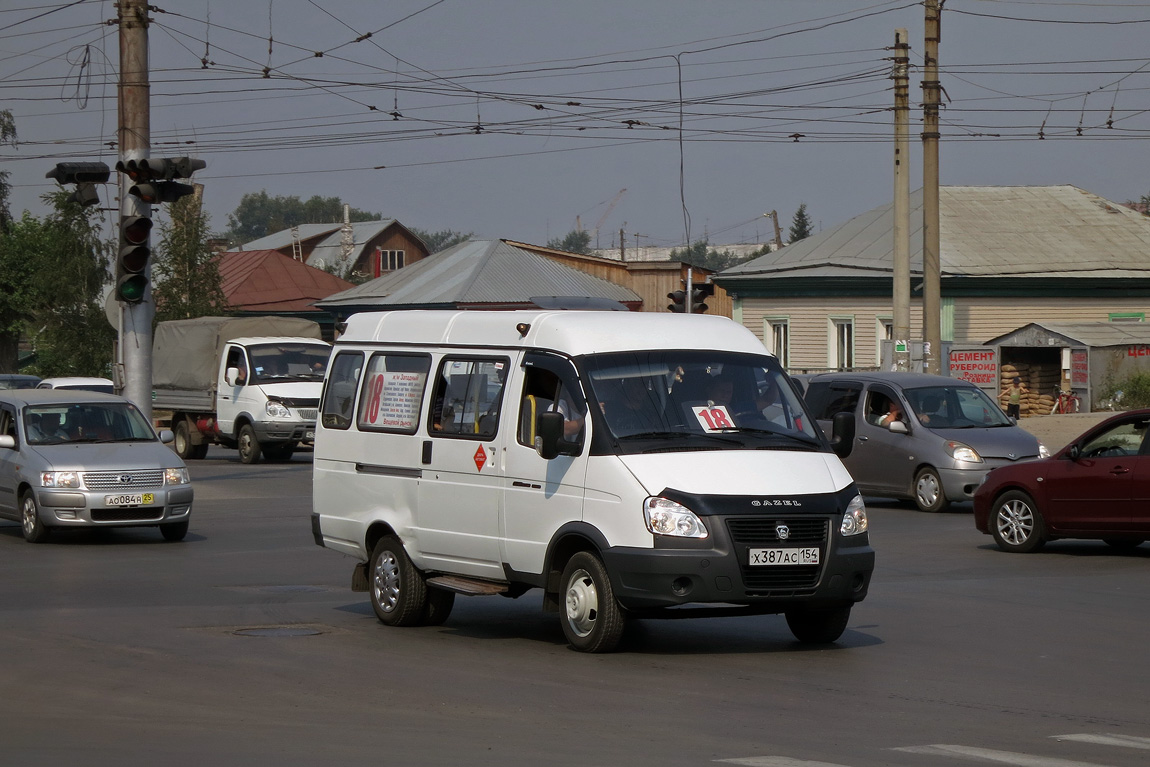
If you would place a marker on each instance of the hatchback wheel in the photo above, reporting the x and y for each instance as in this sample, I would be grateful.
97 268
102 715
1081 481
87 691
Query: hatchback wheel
1016 524
928 492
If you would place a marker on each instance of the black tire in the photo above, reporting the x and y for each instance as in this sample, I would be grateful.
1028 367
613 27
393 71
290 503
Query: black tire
592 620
1016 523
928 492
174 531
279 452
818 625
35 531
248 445
439 604
398 591
182 443
200 451
1124 544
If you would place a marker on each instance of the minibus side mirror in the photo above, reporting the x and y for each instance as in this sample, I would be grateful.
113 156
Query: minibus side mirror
843 433
549 442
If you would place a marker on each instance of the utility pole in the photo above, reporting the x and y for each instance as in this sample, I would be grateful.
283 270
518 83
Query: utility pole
774 216
622 246
901 273
931 266
134 135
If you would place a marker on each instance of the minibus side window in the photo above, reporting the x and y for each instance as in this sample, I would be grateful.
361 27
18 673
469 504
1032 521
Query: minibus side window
339 393
543 390
392 392
468 396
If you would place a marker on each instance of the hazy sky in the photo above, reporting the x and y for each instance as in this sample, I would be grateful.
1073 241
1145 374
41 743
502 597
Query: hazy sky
509 118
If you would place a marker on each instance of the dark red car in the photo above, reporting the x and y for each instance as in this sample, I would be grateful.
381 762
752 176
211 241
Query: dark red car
1098 487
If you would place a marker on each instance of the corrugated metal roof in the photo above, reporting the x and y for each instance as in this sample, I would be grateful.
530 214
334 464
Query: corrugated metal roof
270 281
331 234
1022 231
478 272
1087 333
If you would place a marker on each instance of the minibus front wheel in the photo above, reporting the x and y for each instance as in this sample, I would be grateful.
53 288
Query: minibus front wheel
592 619
398 591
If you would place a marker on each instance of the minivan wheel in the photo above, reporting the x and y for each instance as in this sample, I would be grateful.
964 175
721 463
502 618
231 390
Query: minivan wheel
1016 524
174 531
928 492
818 626
398 591
592 620
248 444
35 531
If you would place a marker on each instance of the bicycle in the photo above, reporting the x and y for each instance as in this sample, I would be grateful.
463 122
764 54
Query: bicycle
1065 402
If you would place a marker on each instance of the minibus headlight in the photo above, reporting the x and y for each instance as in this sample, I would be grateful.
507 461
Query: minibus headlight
277 410
59 479
665 517
961 452
854 520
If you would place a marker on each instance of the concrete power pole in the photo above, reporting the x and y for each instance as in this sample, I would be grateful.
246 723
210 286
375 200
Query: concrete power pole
931 267
134 135
901 273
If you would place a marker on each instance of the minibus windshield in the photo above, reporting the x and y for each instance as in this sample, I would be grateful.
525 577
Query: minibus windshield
721 400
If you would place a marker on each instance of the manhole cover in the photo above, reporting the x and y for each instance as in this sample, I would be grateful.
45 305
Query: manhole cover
278 631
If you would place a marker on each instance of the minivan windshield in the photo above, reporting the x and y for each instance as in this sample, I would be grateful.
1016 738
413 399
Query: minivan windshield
955 407
700 399
86 422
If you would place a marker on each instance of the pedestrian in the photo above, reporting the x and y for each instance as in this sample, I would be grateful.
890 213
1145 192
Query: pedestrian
1014 394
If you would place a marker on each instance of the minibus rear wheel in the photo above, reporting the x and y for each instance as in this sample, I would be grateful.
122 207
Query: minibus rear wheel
398 591
592 619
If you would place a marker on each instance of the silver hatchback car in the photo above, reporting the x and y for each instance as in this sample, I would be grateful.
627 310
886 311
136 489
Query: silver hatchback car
83 459
929 439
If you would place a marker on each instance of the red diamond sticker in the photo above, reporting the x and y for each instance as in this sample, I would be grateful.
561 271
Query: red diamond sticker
480 458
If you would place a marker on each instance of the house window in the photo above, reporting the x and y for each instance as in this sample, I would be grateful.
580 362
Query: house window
884 331
841 346
777 334
390 260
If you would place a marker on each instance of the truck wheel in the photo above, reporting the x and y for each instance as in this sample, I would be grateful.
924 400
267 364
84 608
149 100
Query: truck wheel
199 451
818 626
928 492
281 452
592 619
175 531
182 444
248 445
35 531
398 591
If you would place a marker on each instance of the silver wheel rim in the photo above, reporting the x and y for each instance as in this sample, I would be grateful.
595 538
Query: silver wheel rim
582 603
181 440
927 489
245 442
1015 522
29 516
385 583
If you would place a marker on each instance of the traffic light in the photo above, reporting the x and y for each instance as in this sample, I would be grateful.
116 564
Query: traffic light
700 292
85 175
153 177
132 259
678 301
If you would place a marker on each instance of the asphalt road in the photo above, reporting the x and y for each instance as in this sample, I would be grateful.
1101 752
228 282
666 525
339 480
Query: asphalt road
122 649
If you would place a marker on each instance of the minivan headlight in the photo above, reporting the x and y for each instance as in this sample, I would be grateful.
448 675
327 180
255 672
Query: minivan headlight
277 409
960 452
176 476
665 517
59 479
854 520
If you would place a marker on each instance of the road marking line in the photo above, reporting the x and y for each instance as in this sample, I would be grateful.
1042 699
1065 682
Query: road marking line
1128 741
991 755
776 761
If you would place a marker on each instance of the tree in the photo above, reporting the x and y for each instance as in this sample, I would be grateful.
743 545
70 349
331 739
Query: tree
7 136
185 271
701 255
575 242
259 215
800 225
437 241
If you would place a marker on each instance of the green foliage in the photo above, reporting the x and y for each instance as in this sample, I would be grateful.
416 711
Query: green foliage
1129 393
7 136
185 272
259 214
574 242
442 240
801 226
700 254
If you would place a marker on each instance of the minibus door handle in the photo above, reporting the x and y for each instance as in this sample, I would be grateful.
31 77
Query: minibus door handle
426 452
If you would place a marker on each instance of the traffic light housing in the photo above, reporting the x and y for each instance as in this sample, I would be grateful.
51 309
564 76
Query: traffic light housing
132 259
678 301
85 175
699 293
153 177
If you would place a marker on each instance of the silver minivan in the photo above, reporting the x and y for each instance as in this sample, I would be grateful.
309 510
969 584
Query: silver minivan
929 439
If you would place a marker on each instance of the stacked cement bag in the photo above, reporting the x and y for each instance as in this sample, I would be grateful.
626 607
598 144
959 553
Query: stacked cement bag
1040 380
1010 371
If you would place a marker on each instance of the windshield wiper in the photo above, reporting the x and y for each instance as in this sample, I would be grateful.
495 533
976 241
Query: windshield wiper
681 435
